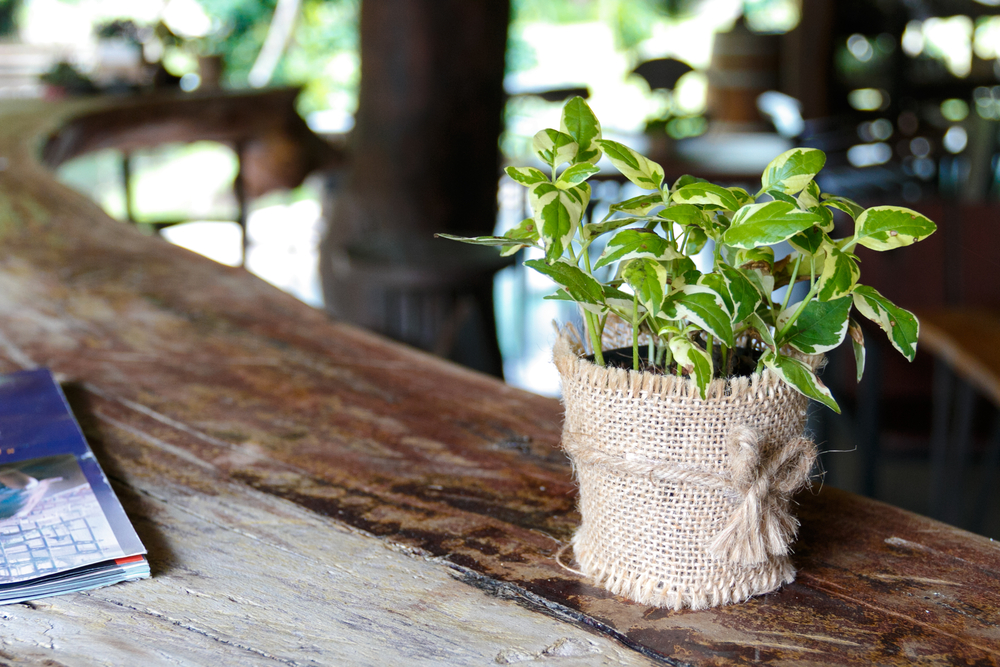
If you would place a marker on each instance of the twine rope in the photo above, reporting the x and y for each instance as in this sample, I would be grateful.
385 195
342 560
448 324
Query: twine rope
760 525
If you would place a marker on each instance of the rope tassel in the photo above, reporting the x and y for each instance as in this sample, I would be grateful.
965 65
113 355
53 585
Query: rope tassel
761 525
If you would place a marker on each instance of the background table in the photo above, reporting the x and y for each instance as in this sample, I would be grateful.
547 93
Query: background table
314 494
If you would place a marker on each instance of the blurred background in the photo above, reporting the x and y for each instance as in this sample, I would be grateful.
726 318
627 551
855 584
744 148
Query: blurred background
364 127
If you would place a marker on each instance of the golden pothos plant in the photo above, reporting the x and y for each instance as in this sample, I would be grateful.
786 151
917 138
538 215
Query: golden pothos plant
696 320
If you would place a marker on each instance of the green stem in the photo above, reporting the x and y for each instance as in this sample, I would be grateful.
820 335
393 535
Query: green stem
798 311
792 281
595 337
635 331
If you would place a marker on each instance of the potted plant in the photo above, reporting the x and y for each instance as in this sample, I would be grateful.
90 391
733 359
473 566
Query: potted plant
687 457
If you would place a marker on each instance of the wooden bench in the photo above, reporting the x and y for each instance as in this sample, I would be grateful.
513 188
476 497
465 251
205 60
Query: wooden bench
314 494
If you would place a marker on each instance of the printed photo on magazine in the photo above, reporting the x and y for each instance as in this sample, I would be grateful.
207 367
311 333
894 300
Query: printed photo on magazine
62 529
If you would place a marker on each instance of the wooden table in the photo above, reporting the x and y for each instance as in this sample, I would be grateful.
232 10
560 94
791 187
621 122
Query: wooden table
312 494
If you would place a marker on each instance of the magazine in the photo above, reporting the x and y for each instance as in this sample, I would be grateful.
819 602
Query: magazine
61 527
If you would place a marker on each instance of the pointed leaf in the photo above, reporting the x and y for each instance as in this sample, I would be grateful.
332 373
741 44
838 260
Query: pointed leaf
858 342
639 169
705 308
809 241
746 296
580 287
696 240
887 227
809 197
840 274
595 229
554 147
791 171
844 204
575 175
526 175
764 331
706 194
640 205
579 122
557 213
765 224
686 179
718 284
649 280
636 243
801 378
820 328
499 241
900 325
694 361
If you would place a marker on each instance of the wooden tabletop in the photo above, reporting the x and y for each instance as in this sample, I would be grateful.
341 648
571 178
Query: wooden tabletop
312 494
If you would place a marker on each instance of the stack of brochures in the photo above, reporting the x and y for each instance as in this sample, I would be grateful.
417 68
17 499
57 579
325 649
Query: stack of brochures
61 527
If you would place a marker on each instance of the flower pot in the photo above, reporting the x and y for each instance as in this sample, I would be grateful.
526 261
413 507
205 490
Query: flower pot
684 500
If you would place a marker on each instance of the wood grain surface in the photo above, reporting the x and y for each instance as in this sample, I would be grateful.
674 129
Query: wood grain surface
220 406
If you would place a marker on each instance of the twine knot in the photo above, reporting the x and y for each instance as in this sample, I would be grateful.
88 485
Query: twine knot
761 525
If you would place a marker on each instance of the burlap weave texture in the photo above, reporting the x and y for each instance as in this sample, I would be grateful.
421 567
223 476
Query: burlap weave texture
647 534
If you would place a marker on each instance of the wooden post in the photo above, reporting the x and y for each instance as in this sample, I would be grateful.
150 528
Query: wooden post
424 147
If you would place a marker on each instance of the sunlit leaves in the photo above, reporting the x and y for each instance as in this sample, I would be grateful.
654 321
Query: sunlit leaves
706 308
637 243
639 169
575 175
579 122
887 227
649 281
557 213
693 361
820 327
526 175
706 194
839 276
900 325
765 224
791 171
578 285
554 147
801 378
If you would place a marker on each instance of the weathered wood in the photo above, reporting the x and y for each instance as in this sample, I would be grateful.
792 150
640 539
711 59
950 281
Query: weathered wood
204 380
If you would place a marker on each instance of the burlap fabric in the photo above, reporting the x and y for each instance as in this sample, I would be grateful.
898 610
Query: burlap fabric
684 501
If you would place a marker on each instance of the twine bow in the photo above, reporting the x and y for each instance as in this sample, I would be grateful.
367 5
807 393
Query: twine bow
761 525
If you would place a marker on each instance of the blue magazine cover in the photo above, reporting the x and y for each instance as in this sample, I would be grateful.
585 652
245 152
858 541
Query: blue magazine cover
62 528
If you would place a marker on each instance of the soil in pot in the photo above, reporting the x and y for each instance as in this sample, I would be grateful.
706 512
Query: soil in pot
744 360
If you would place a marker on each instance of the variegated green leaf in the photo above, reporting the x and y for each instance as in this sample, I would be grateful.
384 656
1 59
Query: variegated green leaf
576 174
554 147
595 229
696 240
639 169
763 331
694 361
820 328
809 198
781 196
579 122
742 196
635 244
526 175
498 241
887 227
680 267
765 224
858 342
649 280
557 213
746 296
686 179
801 378
526 233
844 204
685 215
580 287
809 241
706 194
900 325
640 205
791 171
840 274
756 258
704 307
718 284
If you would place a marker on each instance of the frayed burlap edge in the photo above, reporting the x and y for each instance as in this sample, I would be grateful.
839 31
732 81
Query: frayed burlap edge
743 583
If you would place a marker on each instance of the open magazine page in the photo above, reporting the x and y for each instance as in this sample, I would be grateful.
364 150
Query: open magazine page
57 511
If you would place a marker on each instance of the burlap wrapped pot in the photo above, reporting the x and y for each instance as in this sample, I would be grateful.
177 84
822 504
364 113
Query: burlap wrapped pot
684 501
